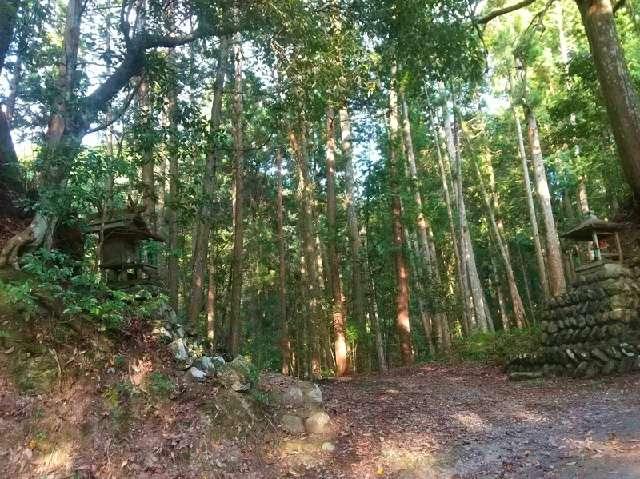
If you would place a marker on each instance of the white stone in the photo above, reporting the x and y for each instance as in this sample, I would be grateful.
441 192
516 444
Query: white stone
327 446
197 374
179 350
318 423
292 424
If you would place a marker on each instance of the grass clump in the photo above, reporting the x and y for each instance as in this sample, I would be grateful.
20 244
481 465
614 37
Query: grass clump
498 347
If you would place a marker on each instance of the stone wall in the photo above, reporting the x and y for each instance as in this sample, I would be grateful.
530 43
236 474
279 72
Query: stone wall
593 329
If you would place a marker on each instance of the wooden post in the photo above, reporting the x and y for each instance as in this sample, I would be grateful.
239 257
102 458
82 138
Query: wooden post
596 247
619 246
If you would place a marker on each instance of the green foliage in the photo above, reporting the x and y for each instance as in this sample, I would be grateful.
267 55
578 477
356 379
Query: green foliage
499 347
160 385
71 288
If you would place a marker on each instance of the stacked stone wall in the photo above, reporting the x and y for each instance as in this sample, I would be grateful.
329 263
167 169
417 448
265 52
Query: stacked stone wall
592 330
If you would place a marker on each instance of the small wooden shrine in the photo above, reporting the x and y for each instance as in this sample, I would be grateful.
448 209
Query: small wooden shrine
121 255
602 236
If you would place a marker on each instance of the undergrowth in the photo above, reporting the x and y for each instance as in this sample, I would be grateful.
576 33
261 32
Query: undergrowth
498 347
71 288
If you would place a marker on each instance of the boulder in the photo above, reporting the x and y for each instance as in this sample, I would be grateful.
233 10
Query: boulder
179 350
197 374
237 374
318 423
292 424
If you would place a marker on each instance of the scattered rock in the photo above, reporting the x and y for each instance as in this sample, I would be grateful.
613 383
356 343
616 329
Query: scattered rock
236 375
293 397
318 423
328 446
179 350
197 374
292 424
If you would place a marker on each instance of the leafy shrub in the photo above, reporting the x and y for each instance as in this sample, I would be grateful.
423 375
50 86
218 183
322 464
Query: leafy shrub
160 385
77 290
499 347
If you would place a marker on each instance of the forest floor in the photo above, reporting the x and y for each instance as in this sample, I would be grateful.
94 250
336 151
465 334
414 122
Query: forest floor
430 421
468 421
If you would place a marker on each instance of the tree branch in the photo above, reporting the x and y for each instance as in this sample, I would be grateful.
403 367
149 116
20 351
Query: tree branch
503 11
116 117
619 4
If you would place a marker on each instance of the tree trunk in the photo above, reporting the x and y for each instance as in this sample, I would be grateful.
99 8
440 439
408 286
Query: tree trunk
583 200
357 281
462 275
619 93
427 257
557 284
373 312
533 218
311 255
340 342
238 226
173 267
62 137
211 298
8 16
516 300
204 219
146 146
285 342
482 320
403 324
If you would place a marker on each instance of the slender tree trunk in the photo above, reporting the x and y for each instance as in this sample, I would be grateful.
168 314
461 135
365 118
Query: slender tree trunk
205 213
533 218
425 315
426 256
340 342
516 300
583 200
482 320
173 267
285 342
504 317
462 275
619 93
403 324
238 220
211 299
148 163
373 312
357 281
311 255
557 283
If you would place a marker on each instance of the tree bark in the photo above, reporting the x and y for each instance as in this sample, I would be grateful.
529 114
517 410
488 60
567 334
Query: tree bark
148 162
357 280
285 341
373 311
238 220
482 320
619 93
516 300
557 284
533 218
173 268
8 16
403 324
337 306
204 219
310 253
211 298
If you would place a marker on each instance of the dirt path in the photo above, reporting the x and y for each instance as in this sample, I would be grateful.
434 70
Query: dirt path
470 422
